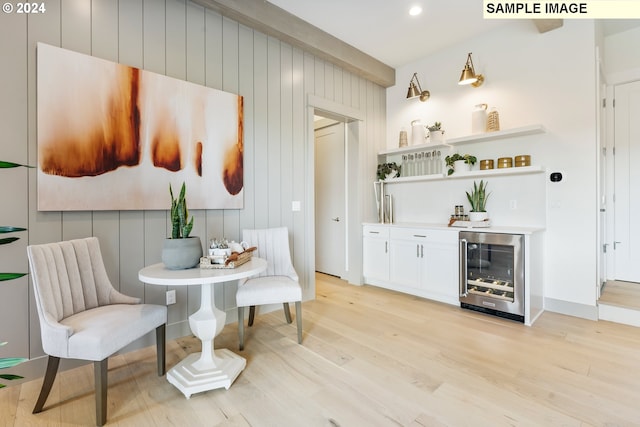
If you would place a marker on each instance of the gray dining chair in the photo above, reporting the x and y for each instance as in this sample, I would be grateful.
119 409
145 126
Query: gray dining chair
82 316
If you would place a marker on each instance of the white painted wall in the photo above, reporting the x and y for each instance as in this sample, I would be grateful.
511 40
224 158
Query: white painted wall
531 78
622 56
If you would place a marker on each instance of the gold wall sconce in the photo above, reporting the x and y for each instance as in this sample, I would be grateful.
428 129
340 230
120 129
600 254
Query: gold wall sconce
415 90
469 76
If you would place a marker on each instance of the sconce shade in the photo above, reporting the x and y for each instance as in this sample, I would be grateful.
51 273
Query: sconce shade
415 89
469 76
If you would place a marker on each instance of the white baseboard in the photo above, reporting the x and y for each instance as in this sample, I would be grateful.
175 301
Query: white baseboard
584 311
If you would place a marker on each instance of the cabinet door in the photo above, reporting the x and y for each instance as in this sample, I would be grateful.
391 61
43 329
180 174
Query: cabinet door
404 263
440 270
375 258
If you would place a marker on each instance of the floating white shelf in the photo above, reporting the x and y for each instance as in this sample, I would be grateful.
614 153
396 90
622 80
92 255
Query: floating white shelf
482 137
524 170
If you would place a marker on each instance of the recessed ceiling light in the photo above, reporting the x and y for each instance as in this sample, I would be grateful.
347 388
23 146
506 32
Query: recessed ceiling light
415 10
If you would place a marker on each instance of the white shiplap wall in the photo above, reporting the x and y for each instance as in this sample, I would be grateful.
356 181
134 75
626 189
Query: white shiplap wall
186 41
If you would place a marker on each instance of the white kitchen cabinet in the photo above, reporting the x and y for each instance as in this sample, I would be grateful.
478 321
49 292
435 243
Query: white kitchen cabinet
375 254
420 261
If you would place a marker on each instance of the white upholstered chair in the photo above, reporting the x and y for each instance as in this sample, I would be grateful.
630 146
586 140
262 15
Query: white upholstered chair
277 284
82 316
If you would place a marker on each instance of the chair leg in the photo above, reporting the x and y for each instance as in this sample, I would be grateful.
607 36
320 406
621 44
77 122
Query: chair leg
287 312
161 348
100 377
49 377
299 320
241 328
252 314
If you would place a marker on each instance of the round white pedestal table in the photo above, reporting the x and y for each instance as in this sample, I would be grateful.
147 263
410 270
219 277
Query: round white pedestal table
211 368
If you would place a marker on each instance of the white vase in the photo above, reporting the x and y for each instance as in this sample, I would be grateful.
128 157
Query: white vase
478 216
436 136
461 166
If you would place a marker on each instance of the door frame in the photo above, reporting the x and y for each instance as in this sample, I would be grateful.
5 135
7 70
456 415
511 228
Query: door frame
354 124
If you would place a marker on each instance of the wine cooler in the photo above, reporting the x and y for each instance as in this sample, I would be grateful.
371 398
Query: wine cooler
492 273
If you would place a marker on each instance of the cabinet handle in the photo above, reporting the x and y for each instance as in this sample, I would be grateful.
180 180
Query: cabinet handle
374 232
420 235
421 251
417 251
386 247
463 267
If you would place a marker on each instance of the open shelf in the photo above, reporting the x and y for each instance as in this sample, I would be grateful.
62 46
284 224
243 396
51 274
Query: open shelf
482 137
524 170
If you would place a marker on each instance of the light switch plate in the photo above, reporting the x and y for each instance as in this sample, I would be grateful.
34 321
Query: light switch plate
295 206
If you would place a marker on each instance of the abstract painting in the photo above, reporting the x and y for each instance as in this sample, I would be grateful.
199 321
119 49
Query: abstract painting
114 137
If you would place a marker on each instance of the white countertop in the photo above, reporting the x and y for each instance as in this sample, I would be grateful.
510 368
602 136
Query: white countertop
436 226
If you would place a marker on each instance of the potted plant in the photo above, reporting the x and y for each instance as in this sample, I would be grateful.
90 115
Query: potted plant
478 200
460 162
436 134
181 250
9 362
388 170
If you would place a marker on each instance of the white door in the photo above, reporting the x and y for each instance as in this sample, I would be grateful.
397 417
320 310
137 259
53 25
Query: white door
627 182
330 193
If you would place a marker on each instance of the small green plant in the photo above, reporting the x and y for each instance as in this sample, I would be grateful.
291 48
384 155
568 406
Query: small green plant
450 160
181 225
9 362
478 197
434 127
385 169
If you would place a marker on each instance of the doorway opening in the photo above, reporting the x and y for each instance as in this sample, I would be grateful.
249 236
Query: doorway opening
343 243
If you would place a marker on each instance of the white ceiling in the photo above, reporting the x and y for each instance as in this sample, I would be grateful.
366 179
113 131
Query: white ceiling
384 30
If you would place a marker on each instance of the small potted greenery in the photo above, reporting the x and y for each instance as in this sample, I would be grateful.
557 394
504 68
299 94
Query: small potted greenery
436 134
460 162
181 251
388 170
478 200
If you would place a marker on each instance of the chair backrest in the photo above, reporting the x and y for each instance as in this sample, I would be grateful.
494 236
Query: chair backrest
273 245
69 277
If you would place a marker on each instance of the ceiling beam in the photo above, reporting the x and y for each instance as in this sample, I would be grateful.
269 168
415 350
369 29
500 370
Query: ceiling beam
274 21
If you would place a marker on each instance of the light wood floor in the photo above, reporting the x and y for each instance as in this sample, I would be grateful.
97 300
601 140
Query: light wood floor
372 357
621 294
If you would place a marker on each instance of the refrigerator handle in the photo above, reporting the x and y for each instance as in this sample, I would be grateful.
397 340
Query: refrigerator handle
463 267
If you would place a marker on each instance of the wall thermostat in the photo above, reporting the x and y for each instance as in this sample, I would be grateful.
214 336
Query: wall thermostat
556 177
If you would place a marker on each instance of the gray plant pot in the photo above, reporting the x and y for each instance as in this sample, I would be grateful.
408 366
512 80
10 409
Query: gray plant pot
179 254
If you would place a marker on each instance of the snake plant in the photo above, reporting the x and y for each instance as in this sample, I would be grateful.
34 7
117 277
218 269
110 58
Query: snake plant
180 224
478 197
9 362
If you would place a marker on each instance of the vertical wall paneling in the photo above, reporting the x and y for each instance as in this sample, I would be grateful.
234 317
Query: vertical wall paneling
155 223
298 120
132 224
230 77
245 88
76 36
213 78
273 133
185 41
43 226
338 86
329 83
230 84
104 44
196 73
286 139
14 294
260 139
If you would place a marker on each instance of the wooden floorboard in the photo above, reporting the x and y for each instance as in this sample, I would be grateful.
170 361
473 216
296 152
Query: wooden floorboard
372 357
621 294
